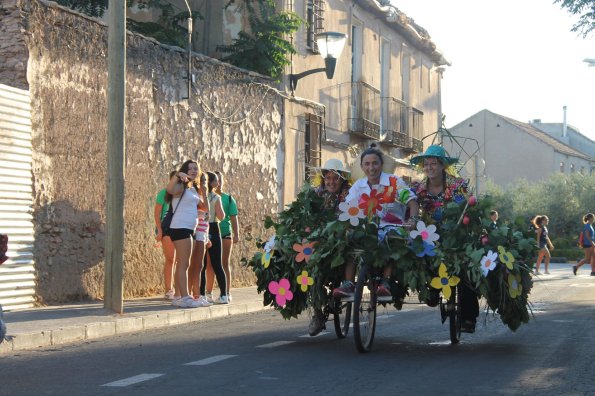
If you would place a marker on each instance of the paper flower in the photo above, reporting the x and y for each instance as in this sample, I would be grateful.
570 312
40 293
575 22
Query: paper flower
427 233
304 250
266 258
389 192
370 203
350 211
515 287
428 250
270 245
488 262
281 291
444 282
304 281
506 257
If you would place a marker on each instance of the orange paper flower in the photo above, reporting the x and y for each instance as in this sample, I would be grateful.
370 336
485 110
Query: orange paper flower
370 203
304 250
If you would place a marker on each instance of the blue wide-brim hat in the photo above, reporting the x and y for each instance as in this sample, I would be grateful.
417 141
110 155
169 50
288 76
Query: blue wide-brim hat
434 151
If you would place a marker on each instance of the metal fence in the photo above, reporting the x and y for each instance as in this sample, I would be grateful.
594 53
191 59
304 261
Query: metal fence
17 274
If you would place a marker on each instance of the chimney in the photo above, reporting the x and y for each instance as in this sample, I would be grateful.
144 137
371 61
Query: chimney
564 125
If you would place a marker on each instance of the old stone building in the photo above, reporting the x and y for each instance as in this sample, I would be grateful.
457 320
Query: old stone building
386 89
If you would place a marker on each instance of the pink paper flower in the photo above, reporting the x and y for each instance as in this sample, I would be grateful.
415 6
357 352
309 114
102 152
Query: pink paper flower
281 291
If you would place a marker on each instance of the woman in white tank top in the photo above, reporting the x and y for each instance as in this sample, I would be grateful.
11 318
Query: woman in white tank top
188 196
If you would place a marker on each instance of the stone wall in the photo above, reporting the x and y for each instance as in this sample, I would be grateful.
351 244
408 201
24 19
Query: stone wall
231 123
13 50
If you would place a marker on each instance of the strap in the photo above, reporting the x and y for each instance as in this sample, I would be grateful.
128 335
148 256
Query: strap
178 204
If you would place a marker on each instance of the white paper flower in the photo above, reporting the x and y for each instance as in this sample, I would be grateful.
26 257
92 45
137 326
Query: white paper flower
270 245
350 211
427 233
488 262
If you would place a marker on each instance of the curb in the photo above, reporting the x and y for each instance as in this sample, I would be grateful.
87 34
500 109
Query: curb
122 325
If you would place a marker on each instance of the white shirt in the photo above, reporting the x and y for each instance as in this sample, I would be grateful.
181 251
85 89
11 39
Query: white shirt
392 213
186 214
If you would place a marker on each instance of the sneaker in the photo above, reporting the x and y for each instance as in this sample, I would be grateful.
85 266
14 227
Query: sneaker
176 301
547 272
169 295
537 273
345 292
222 300
383 291
317 324
574 269
204 302
468 326
209 297
188 302
229 297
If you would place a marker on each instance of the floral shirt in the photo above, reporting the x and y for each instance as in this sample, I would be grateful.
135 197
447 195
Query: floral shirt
432 205
332 200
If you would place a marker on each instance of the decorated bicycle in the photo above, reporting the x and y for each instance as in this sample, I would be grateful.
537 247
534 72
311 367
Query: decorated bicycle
375 250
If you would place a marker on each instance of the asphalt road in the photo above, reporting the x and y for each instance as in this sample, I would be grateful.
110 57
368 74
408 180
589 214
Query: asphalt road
266 355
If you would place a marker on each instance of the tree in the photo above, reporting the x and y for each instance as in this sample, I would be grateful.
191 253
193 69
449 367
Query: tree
168 29
585 9
263 49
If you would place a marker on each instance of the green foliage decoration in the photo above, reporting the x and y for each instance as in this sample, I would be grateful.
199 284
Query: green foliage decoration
461 247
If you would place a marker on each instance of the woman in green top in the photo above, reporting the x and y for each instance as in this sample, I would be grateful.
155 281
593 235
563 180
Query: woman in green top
229 229
161 208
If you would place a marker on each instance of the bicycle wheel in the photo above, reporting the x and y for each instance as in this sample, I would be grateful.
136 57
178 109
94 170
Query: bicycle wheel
364 310
454 314
342 317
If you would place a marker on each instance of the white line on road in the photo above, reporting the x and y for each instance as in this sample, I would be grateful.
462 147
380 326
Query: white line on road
133 380
275 344
212 359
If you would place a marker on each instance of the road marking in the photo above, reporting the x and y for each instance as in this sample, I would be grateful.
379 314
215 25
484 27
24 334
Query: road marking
317 335
275 344
212 359
582 285
133 380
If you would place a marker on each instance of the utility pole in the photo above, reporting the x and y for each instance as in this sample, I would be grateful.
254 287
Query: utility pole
116 94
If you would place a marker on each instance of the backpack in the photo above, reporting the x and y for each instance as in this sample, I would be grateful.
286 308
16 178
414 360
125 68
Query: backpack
581 238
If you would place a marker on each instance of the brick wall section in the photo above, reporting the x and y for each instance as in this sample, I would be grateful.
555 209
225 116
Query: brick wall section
13 50
67 76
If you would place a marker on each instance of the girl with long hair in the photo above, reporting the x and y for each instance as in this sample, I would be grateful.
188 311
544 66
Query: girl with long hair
543 240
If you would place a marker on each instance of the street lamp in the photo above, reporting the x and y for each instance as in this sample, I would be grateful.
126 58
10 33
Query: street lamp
589 61
330 45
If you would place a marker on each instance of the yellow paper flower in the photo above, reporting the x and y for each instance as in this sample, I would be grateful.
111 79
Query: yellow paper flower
444 282
304 281
515 287
266 258
506 257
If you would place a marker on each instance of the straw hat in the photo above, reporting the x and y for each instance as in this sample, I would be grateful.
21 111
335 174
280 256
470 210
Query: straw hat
434 151
336 166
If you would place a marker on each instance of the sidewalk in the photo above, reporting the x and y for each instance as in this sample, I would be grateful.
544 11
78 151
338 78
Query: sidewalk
56 325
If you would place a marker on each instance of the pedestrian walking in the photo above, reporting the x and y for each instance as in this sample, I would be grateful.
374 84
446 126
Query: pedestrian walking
587 244
544 242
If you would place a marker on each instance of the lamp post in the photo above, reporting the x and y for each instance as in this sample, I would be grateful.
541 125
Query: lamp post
330 45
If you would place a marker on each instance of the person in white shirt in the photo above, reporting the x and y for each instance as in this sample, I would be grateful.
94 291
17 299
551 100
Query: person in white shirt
187 197
392 214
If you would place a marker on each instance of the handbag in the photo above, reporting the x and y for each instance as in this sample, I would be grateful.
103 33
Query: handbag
169 216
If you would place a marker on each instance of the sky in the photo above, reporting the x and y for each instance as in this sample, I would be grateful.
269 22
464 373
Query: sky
516 58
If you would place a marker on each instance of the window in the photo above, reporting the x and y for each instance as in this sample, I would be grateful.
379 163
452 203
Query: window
314 21
312 142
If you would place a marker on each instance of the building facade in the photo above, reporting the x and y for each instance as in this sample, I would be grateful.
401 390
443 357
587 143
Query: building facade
502 150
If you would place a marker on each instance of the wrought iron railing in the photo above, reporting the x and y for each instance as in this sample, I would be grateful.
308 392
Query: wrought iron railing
364 117
416 129
394 122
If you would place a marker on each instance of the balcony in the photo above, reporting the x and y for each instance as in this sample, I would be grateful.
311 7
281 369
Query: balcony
364 114
416 129
394 122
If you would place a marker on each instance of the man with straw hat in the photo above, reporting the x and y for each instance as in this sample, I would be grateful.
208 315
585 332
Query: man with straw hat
441 186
